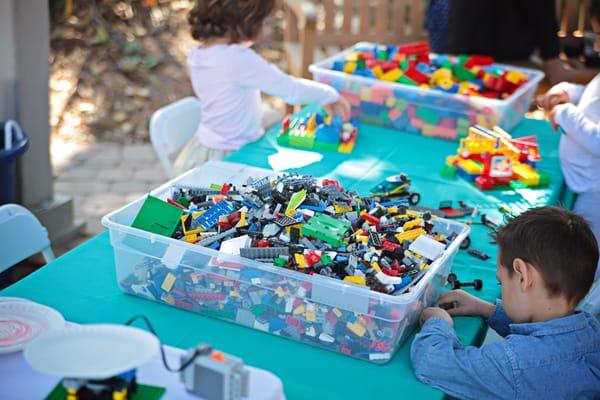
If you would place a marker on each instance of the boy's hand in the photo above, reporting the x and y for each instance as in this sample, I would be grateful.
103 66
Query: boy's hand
552 98
435 312
341 107
459 302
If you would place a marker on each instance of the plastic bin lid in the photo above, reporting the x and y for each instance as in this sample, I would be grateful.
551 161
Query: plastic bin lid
13 141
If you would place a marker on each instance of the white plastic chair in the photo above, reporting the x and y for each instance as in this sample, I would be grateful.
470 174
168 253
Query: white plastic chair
172 127
22 236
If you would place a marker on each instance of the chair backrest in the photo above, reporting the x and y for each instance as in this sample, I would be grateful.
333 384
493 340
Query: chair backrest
173 126
21 235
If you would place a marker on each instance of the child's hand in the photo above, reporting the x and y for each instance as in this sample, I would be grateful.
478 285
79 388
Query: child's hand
552 116
552 98
435 312
341 107
459 302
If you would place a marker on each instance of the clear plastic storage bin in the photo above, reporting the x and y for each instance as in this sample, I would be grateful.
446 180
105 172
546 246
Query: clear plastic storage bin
312 309
425 111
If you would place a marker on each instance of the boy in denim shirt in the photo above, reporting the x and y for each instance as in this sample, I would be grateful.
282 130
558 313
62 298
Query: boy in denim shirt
546 262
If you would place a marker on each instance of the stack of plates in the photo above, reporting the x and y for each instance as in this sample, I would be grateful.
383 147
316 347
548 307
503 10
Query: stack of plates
22 320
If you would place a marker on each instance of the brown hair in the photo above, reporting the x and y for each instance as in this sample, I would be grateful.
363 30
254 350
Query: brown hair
236 20
558 243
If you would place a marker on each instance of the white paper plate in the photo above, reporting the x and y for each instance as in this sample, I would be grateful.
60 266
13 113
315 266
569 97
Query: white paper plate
96 351
22 321
7 299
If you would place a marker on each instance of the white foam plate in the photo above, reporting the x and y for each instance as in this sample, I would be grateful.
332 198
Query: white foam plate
7 299
95 351
22 321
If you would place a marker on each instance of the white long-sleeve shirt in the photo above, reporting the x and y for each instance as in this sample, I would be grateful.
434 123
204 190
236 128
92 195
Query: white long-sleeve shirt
580 145
228 80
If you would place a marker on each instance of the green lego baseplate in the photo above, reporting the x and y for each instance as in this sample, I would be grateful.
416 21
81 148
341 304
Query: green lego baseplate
143 392
158 217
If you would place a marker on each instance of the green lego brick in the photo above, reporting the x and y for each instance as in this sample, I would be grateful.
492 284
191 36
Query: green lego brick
325 146
157 216
401 105
302 141
360 64
428 115
544 179
462 59
279 262
326 260
283 140
143 392
449 171
462 73
384 117
259 309
326 228
295 201
406 80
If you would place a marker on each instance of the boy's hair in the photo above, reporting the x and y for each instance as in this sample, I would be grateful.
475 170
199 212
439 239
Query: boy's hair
595 10
558 243
237 20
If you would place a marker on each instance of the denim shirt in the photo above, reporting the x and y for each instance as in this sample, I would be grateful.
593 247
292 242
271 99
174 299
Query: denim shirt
556 359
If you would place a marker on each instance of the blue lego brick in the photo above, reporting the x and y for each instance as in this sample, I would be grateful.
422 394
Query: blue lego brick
369 108
211 216
276 324
327 134
465 175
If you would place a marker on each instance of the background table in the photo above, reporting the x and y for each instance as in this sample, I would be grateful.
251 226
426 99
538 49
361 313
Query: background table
82 285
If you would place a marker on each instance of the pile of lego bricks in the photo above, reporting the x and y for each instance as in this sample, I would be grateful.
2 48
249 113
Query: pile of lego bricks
411 64
316 130
297 223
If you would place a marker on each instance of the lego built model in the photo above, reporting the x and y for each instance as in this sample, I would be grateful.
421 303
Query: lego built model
491 158
396 187
318 131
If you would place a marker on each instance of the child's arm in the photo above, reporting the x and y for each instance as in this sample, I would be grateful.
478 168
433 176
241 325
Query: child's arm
561 93
441 361
578 126
255 72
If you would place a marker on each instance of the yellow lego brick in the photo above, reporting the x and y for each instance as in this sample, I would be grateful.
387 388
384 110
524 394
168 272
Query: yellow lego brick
390 101
279 291
411 224
362 239
423 266
312 123
289 228
300 309
167 284
340 209
356 328
428 130
451 160
191 238
300 260
346 148
167 298
515 76
471 167
392 75
358 280
337 312
376 266
377 71
310 316
197 214
425 86
234 293
350 67
525 174
410 235
242 221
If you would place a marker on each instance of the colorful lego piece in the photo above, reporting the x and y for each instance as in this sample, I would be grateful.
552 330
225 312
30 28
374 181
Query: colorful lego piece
157 216
492 157
318 131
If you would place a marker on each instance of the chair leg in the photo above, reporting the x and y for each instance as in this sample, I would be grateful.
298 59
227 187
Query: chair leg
48 254
307 47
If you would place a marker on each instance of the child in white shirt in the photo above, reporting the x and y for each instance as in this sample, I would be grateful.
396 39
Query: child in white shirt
228 76
576 109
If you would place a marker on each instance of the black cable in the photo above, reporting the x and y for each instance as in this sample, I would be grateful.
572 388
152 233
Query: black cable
200 350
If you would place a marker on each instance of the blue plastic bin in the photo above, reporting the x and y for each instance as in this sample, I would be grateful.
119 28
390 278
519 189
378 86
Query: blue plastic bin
13 143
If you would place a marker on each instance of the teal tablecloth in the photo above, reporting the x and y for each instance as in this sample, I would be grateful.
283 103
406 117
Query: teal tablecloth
82 285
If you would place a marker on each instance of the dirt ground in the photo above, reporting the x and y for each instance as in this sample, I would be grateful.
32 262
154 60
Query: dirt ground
113 63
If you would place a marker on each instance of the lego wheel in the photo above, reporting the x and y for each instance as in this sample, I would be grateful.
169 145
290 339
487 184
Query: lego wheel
465 244
414 199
